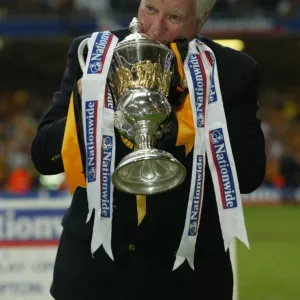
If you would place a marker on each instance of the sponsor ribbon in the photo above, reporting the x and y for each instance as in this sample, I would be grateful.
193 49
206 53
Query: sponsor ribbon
211 141
98 128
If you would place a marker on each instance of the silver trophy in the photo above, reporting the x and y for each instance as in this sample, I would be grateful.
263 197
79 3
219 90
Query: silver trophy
139 79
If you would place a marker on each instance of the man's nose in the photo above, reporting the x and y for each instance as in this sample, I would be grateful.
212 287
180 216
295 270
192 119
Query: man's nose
158 27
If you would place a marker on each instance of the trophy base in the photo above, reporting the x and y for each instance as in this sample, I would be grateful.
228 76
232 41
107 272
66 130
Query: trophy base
148 172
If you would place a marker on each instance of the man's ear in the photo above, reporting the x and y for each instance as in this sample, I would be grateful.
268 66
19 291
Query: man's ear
202 21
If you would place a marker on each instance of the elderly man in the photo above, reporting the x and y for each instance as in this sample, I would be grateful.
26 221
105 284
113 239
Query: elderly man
145 238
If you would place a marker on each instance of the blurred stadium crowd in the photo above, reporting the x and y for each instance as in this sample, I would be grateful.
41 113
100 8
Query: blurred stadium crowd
223 7
21 110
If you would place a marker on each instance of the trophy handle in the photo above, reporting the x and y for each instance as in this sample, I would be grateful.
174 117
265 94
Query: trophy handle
80 54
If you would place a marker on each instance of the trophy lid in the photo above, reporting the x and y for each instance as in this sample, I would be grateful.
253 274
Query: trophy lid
139 38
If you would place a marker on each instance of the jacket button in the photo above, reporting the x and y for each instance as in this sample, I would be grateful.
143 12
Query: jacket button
131 247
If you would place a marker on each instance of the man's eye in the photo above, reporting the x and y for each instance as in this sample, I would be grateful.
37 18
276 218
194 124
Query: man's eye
150 8
175 19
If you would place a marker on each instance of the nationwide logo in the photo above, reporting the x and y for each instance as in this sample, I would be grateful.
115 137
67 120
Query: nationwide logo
91 139
193 228
224 172
109 103
99 53
199 81
107 146
30 227
196 205
213 95
95 67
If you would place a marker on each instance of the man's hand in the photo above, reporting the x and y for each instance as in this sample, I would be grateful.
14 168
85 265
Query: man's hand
79 86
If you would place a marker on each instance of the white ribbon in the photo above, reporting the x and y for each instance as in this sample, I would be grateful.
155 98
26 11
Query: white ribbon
98 127
211 140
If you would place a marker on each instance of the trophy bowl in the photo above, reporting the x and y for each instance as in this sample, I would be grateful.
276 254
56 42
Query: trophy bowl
139 79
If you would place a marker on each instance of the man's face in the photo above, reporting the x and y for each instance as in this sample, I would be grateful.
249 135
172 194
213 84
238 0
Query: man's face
168 20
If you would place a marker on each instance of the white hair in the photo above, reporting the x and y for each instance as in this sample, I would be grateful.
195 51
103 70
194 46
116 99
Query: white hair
204 6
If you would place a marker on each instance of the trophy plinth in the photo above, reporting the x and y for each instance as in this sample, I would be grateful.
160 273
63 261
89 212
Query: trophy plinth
148 172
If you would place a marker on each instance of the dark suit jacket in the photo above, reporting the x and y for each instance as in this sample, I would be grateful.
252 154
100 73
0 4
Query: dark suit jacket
160 232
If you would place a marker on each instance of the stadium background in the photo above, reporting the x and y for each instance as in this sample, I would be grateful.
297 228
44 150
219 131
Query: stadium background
34 39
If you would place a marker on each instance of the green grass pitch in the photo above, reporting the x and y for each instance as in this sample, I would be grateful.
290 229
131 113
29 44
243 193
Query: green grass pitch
271 269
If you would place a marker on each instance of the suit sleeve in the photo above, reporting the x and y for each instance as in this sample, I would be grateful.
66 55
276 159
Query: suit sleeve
246 136
47 144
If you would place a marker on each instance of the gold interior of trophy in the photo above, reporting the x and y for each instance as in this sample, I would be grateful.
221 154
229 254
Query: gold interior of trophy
144 74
